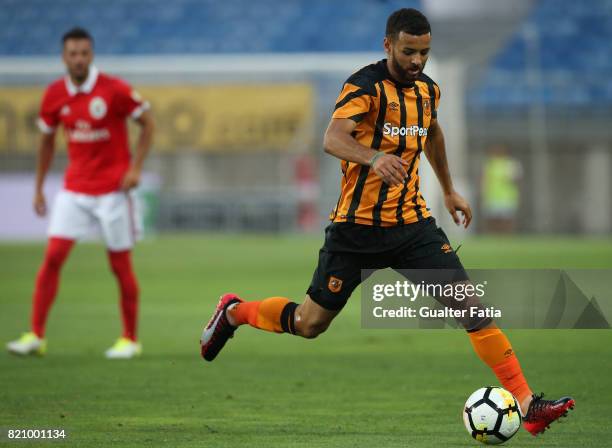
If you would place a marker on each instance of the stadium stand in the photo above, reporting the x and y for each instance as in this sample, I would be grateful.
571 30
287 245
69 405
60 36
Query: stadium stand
31 27
575 43
574 36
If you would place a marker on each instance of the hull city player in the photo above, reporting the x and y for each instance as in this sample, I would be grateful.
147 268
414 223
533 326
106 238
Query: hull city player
384 118
93 108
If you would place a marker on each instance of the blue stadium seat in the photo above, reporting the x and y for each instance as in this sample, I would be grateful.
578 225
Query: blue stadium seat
575 44
574 76
33 27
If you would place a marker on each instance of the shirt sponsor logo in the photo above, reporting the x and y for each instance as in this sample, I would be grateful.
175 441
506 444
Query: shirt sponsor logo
97 108
412 131
83 133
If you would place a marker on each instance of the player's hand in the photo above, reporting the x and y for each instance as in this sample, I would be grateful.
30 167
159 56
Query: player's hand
391 169
454 203
131 179
40 204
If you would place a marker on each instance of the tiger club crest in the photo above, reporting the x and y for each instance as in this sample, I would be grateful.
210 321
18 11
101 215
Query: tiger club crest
335 284
427 107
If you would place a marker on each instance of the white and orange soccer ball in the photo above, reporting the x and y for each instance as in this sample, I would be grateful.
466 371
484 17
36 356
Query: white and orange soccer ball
492 415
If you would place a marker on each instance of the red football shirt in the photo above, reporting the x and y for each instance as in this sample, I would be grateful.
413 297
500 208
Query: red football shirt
93 116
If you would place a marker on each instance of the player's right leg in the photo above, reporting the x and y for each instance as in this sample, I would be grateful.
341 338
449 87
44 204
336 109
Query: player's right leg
45 291
69 222
279 315
274 314
335 278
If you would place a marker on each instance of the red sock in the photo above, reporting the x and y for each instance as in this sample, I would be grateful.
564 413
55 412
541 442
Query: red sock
121 264
47 282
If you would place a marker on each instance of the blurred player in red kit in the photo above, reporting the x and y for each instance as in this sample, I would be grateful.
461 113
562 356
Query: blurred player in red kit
93 109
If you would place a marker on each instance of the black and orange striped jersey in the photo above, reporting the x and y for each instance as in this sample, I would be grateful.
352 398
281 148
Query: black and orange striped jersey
393 118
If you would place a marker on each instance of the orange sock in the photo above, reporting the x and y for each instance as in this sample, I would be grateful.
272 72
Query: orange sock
272 314
493 347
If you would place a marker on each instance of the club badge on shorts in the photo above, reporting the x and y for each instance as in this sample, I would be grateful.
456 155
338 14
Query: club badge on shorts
97 108
335 284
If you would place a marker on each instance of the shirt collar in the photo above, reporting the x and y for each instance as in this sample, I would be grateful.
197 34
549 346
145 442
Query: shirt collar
87 86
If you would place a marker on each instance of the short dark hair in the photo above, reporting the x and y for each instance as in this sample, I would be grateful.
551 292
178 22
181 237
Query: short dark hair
77 33
408 20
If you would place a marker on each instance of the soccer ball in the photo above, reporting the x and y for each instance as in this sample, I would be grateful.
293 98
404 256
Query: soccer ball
491 415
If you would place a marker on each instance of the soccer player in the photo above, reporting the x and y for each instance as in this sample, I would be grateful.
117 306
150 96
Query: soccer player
92 107
384 118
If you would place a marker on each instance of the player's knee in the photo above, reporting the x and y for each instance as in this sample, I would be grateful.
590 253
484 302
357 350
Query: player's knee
56 253
313 329
54 259
115 268
120 263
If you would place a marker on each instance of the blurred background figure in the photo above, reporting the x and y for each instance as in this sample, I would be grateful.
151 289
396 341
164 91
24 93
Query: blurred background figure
500 191
91 108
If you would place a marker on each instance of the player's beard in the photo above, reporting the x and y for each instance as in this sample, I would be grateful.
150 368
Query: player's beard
79 75
405 76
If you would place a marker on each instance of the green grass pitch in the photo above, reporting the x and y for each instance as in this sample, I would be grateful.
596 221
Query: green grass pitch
348 388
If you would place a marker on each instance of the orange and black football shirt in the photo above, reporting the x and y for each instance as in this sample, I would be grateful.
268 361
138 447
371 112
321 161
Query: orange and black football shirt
393 118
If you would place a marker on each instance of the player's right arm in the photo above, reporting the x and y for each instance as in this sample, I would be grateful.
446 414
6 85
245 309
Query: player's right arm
47 123
339 142
354 104
46 148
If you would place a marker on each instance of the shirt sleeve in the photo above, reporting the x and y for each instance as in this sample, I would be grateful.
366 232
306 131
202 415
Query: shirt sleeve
128 101
434 112
48 115
353 103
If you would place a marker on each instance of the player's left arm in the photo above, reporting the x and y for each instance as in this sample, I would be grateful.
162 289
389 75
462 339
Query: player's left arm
145 139
435 150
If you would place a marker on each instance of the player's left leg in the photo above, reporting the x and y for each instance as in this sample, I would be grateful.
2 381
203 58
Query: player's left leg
121 265
118 221
433 251
494 349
